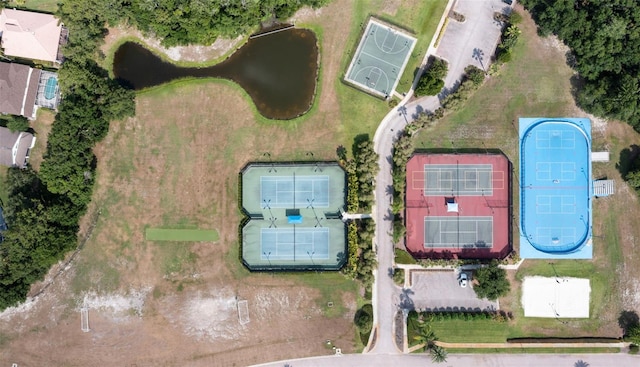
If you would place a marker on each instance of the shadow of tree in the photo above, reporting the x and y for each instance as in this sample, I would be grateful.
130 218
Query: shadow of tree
581 363
628 320
627 161
406 303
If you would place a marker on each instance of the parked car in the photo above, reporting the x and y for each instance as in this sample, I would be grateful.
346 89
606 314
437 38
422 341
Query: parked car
463 280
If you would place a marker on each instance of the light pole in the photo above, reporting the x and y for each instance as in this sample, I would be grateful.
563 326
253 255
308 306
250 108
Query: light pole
267 256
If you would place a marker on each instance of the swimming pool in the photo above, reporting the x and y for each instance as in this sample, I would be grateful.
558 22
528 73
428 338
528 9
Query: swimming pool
555 187
50 87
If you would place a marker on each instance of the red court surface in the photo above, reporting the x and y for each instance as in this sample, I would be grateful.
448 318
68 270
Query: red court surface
458 206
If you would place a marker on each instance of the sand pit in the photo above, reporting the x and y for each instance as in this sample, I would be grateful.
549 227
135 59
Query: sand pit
556 297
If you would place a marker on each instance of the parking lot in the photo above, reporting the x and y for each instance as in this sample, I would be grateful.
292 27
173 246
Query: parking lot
473 41
439 290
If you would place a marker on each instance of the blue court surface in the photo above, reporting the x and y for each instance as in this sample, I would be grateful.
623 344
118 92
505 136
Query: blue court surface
555 188
291 243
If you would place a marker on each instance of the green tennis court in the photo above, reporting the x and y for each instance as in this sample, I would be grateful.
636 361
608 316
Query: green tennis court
380 59
294 216
186 235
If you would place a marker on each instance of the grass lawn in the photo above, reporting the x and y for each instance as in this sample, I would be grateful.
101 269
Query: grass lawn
403 257
42 5
423 19
4 195
531 350
463 331
172 234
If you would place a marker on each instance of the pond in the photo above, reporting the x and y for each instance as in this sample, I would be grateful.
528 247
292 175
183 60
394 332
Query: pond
278 70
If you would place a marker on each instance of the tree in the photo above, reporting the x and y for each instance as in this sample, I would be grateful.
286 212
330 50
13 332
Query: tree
475 74
431 82
18 123
364 318
492 282
438 354
634 334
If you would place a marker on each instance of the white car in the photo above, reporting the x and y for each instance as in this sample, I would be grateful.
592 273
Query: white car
463 280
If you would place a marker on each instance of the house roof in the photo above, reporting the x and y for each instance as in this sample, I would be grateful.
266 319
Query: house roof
14 147
30 35
18 89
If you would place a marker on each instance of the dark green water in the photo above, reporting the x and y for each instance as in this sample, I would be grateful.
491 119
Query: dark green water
279 71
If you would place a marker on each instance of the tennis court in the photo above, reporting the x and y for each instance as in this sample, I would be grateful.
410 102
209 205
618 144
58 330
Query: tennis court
555 204
458 232
380 58
289 243
458 179
294 192
294 216
458 205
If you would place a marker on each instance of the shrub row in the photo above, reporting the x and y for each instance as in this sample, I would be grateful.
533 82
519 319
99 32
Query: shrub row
499 316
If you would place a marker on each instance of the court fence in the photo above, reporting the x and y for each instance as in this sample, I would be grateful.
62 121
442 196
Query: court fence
337 253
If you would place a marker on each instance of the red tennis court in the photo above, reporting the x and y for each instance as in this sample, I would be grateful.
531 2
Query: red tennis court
458 206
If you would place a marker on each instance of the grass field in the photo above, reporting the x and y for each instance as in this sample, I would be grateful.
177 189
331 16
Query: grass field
42 5
532 350
172 234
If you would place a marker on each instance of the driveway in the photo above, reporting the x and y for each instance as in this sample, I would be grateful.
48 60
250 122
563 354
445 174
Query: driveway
473 41
439 290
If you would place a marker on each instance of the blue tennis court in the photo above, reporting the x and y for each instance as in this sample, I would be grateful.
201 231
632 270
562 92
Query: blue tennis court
555 188
291 243
294 191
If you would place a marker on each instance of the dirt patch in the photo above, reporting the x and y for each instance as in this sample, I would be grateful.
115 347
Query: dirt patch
191 53
41 126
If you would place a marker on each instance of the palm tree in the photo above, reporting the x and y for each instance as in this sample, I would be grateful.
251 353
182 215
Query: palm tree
427 337
438 354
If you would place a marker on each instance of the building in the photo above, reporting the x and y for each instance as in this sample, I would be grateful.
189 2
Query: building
33 36
15 147
458 206
18 89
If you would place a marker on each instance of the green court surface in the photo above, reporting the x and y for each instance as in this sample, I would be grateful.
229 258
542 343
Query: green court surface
380 59
294 211
187 235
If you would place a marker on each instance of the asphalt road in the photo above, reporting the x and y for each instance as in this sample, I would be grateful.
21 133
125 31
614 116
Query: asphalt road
466 360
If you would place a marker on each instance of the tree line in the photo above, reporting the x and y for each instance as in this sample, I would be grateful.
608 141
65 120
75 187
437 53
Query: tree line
604 37
179 22
43 208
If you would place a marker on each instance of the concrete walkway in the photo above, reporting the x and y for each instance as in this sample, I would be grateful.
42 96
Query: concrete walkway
352 216
531 345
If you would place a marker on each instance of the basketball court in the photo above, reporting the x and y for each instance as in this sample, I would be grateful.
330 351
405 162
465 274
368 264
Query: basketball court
294 216
458 205
558 297
380 58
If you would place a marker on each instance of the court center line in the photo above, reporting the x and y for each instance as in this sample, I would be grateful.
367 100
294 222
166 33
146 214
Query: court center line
379 59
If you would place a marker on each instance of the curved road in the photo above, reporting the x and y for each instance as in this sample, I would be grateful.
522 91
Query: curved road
460 46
